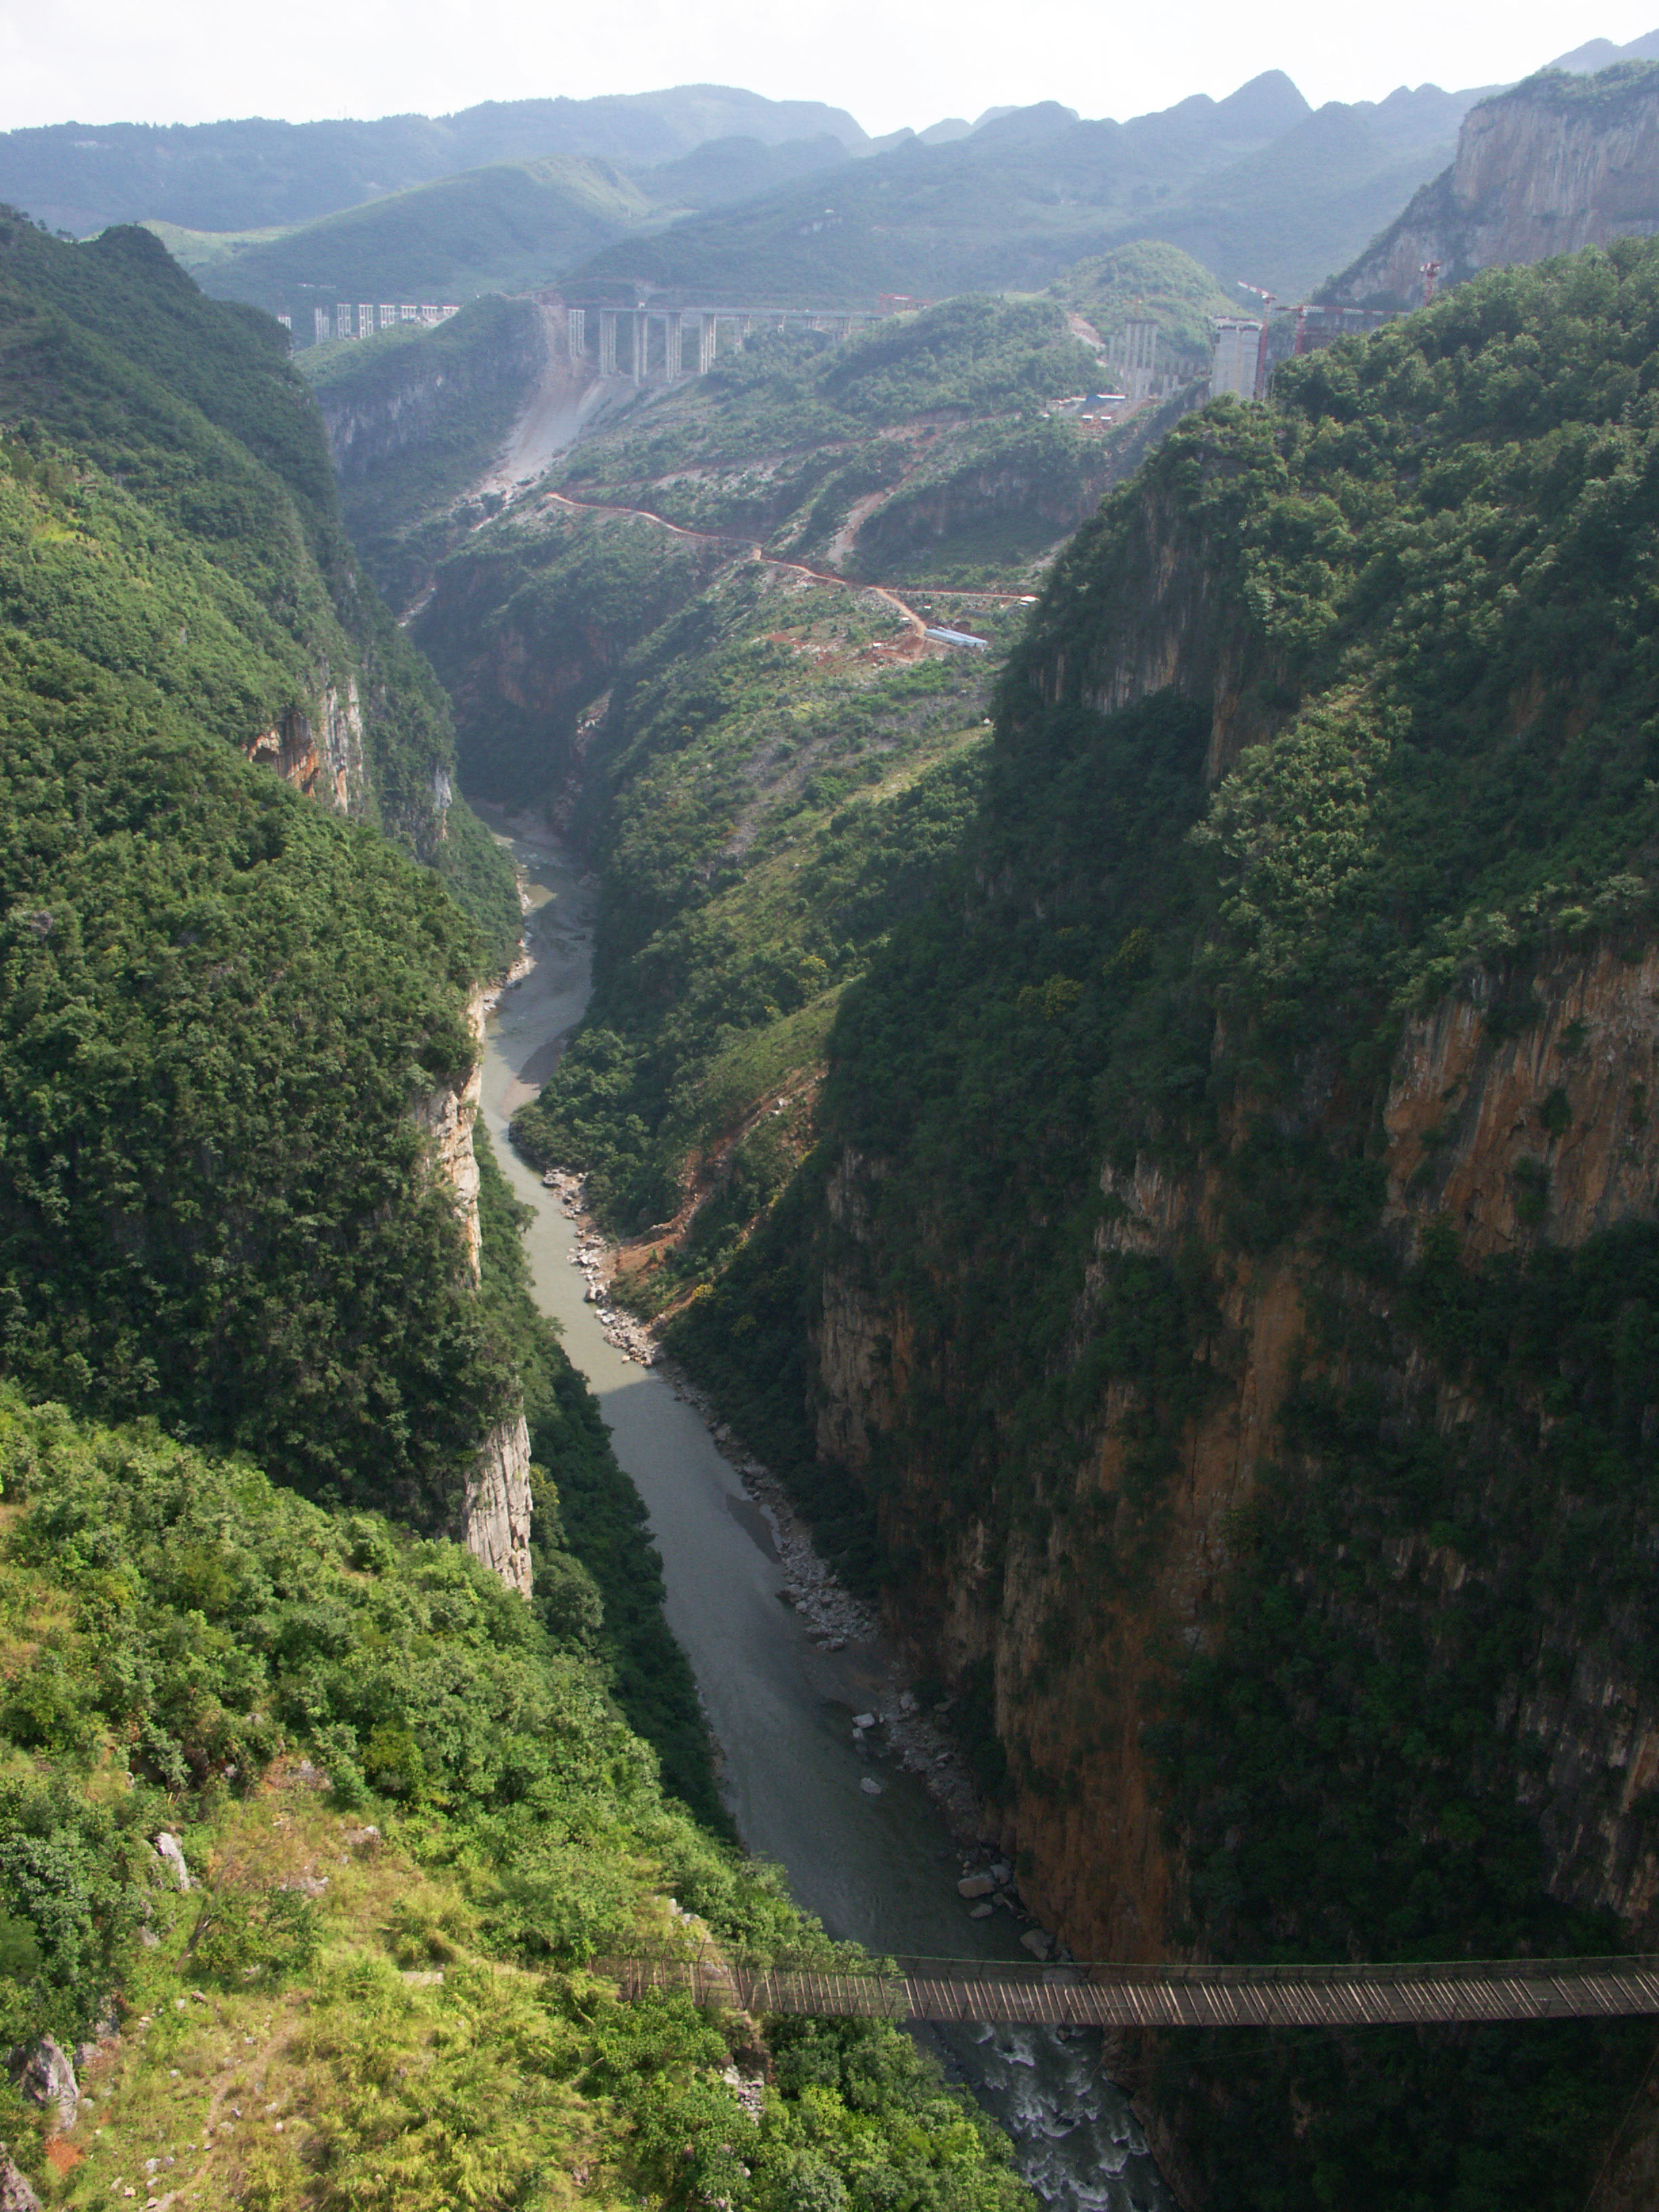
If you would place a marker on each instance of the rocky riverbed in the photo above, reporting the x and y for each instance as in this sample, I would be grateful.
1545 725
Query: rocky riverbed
895 1728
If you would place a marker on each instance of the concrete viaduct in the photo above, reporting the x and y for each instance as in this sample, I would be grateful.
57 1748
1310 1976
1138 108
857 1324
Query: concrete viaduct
648 345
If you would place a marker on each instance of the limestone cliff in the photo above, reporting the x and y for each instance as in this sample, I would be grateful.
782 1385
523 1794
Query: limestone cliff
495 1512
319 748
498 1504
1558 163
1516 1139
447 1115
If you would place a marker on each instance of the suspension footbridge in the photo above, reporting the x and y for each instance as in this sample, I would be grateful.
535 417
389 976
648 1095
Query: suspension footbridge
1111 1995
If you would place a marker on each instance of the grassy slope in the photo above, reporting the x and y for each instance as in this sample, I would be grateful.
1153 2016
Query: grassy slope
1424 531
373 1995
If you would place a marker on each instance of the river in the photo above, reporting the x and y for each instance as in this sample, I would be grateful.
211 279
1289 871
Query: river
877 1869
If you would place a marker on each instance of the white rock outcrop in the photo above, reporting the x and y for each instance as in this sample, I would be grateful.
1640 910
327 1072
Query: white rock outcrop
447 1115
496 1520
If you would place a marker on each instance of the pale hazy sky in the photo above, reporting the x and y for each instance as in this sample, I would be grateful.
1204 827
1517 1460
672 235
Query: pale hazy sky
164 61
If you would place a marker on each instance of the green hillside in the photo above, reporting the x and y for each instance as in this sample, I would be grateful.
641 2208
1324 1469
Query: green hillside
1151 281
725 169
191 412
504 228
288 1690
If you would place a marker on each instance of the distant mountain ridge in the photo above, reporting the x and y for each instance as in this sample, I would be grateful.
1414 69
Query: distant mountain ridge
1258 184
255 174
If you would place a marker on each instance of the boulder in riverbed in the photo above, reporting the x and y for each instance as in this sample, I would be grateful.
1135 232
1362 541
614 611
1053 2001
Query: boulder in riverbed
977 1885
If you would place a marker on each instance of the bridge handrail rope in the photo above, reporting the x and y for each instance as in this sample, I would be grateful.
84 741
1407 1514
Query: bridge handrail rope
1096 1992
1159 1973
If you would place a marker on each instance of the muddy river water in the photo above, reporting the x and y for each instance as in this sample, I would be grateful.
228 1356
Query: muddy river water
879 1869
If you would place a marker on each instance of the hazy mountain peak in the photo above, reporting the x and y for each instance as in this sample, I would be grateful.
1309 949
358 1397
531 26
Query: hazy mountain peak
1267 104
1038 120
1597 54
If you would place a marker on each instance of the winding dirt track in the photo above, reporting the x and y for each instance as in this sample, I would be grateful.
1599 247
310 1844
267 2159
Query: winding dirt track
756 551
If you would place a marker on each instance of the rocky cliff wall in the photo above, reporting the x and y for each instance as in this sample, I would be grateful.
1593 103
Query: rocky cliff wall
495 1513
419 393
1552 166
319 748
498 1504
449 1115
1517 1140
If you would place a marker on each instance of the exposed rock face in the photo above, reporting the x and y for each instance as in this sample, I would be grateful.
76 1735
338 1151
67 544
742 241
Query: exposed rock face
171 1852
1517 1139
319 752
497 1511
423 388
448 1115
45 2076
1568 1096
498 1504
1549 168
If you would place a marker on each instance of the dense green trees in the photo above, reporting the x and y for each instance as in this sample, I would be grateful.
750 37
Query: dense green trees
175 448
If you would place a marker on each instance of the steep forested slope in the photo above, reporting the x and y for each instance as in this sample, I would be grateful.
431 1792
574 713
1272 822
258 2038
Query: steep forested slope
1225 1289
222 1000
190 411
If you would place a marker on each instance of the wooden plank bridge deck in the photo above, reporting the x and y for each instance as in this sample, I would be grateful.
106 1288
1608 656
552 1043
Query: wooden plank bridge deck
1095 1995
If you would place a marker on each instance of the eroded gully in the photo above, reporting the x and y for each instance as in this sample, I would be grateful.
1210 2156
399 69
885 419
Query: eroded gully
879 1869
